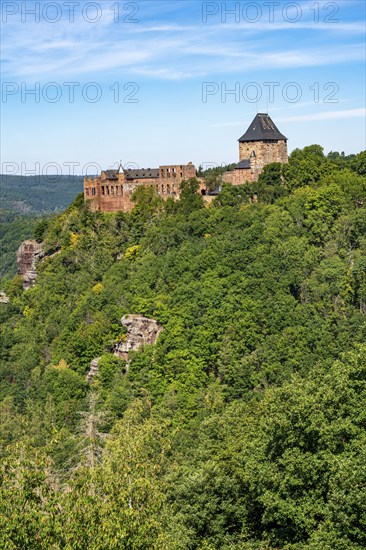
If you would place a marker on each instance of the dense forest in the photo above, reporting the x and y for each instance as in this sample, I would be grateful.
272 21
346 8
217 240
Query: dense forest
243 427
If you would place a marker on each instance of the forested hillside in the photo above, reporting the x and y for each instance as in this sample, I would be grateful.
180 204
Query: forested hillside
38 194
243 427
23 200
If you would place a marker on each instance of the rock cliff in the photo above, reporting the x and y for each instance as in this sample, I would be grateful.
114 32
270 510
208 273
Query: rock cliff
28 254
93 370
3 298
141 331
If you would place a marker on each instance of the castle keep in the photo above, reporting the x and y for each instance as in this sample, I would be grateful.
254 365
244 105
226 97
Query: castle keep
261 144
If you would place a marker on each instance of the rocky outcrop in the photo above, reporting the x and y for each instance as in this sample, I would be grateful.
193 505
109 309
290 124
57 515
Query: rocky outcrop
141 331
4 299
28 254
93 370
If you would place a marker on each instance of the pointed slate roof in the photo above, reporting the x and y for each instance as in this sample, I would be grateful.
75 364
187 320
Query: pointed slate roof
262 129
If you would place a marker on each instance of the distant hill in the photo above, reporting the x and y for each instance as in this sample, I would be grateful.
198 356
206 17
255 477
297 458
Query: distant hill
38 194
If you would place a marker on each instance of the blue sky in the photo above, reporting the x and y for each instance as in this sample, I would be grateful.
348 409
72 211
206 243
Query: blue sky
149 82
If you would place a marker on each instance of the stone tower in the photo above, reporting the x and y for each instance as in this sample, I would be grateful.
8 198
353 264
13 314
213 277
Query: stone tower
262 144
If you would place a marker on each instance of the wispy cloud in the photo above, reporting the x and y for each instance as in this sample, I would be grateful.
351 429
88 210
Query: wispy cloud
325 115
165 74
322 115
158 47
170 53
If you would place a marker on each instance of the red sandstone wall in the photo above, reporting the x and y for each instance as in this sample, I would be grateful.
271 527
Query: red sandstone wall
112 196
238 177
91 193
171 177
115 195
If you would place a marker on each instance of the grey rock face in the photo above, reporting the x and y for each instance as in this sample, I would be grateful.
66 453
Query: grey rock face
4 299
141 331
28 254
93 370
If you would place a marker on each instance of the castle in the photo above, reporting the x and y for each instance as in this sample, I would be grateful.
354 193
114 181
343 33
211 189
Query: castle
261 144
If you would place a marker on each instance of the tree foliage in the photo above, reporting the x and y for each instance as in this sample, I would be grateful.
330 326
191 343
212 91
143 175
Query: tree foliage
243 426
